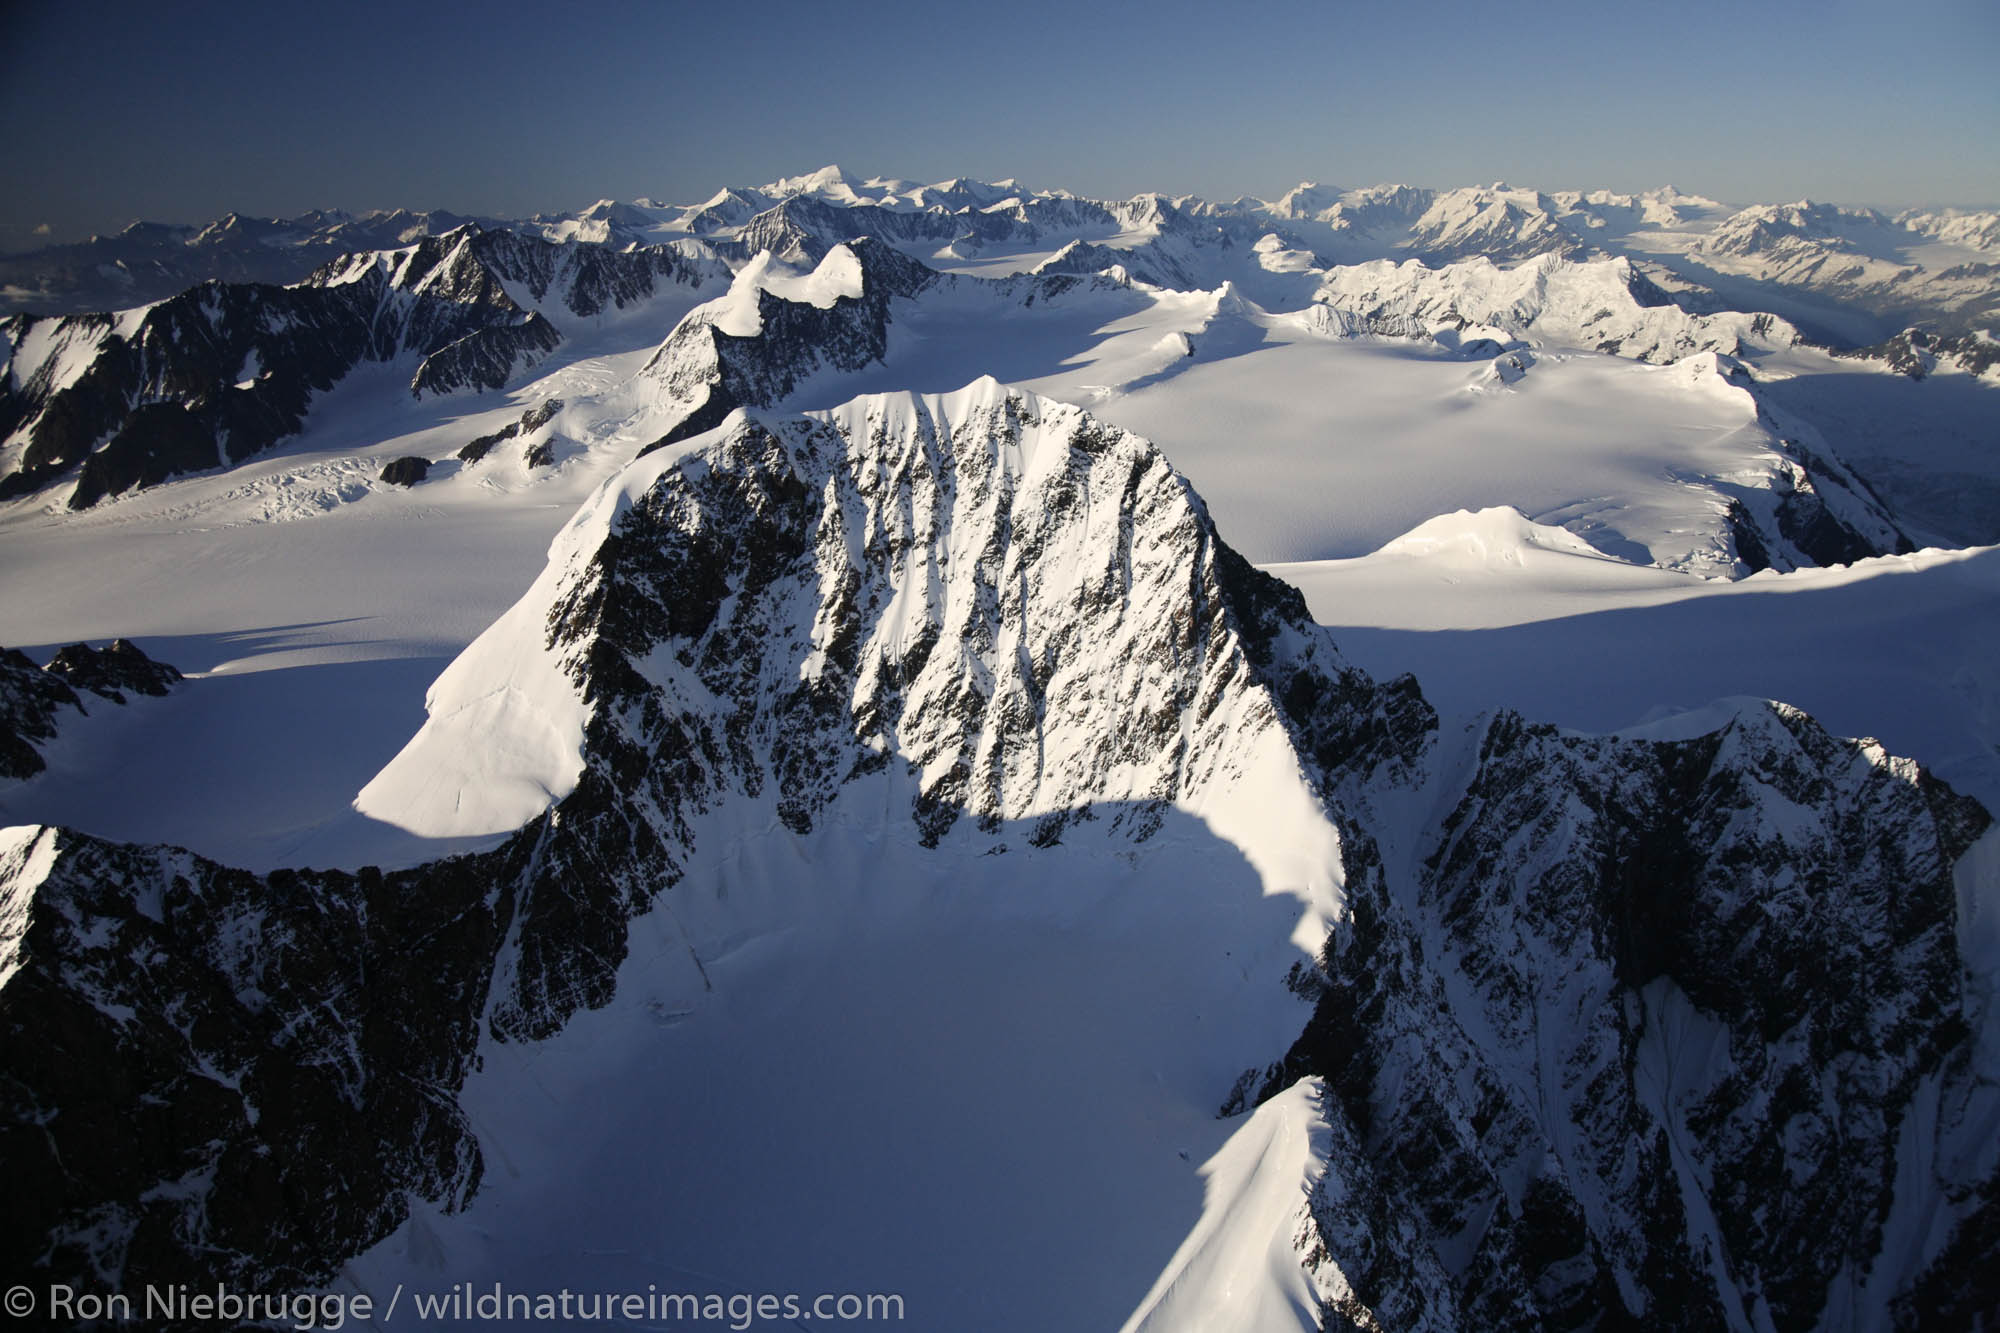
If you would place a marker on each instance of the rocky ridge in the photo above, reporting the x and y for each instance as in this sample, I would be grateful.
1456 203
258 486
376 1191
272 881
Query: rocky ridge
32 698
224 371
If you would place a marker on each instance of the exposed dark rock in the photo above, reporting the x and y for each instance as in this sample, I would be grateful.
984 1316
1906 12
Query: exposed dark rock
1593 899
1806 522
1917 353
293 1040
486 358
110 671
1147 264
1745 538
531 421
151 261
317 1108
406 471
477 448
535 418
32 698
29 702
712 373
713 409
800 230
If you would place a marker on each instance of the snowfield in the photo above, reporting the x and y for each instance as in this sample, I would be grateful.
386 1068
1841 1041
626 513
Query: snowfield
949 1081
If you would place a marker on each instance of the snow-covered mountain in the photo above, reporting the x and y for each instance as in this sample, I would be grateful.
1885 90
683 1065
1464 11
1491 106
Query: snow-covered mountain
1788 504
860 788
150 261
1647 974
1801 260
1914 267
224 371
227 372
1585 1040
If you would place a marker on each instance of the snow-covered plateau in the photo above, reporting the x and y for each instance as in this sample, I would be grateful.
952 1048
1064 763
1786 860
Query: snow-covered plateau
1148 764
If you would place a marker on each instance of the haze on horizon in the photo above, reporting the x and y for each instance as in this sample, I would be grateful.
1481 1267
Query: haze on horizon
185 113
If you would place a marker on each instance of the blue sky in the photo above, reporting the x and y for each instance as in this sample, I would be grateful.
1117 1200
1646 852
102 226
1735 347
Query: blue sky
181 112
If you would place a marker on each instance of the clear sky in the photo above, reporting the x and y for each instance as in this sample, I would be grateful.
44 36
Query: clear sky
184 111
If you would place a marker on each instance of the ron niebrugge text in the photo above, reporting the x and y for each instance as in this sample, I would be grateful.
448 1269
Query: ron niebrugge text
463 1303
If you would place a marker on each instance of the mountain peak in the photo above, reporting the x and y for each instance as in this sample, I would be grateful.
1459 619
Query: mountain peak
943 539
829 179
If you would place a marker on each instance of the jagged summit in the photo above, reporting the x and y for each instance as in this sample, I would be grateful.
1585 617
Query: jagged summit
956 591
1699 238
818 293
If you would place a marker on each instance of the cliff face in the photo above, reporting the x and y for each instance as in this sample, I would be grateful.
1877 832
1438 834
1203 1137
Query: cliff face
1664 1031
230 1076
1660 1033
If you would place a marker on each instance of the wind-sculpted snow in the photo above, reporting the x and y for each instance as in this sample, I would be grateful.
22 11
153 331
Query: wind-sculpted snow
1779 498
1665 1029
776 329
752 346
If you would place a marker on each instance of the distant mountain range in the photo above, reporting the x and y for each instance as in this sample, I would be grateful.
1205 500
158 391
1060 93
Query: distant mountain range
200 358
1935 268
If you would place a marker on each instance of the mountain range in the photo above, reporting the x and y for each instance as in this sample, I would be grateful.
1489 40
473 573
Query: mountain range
980 743
1933 266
